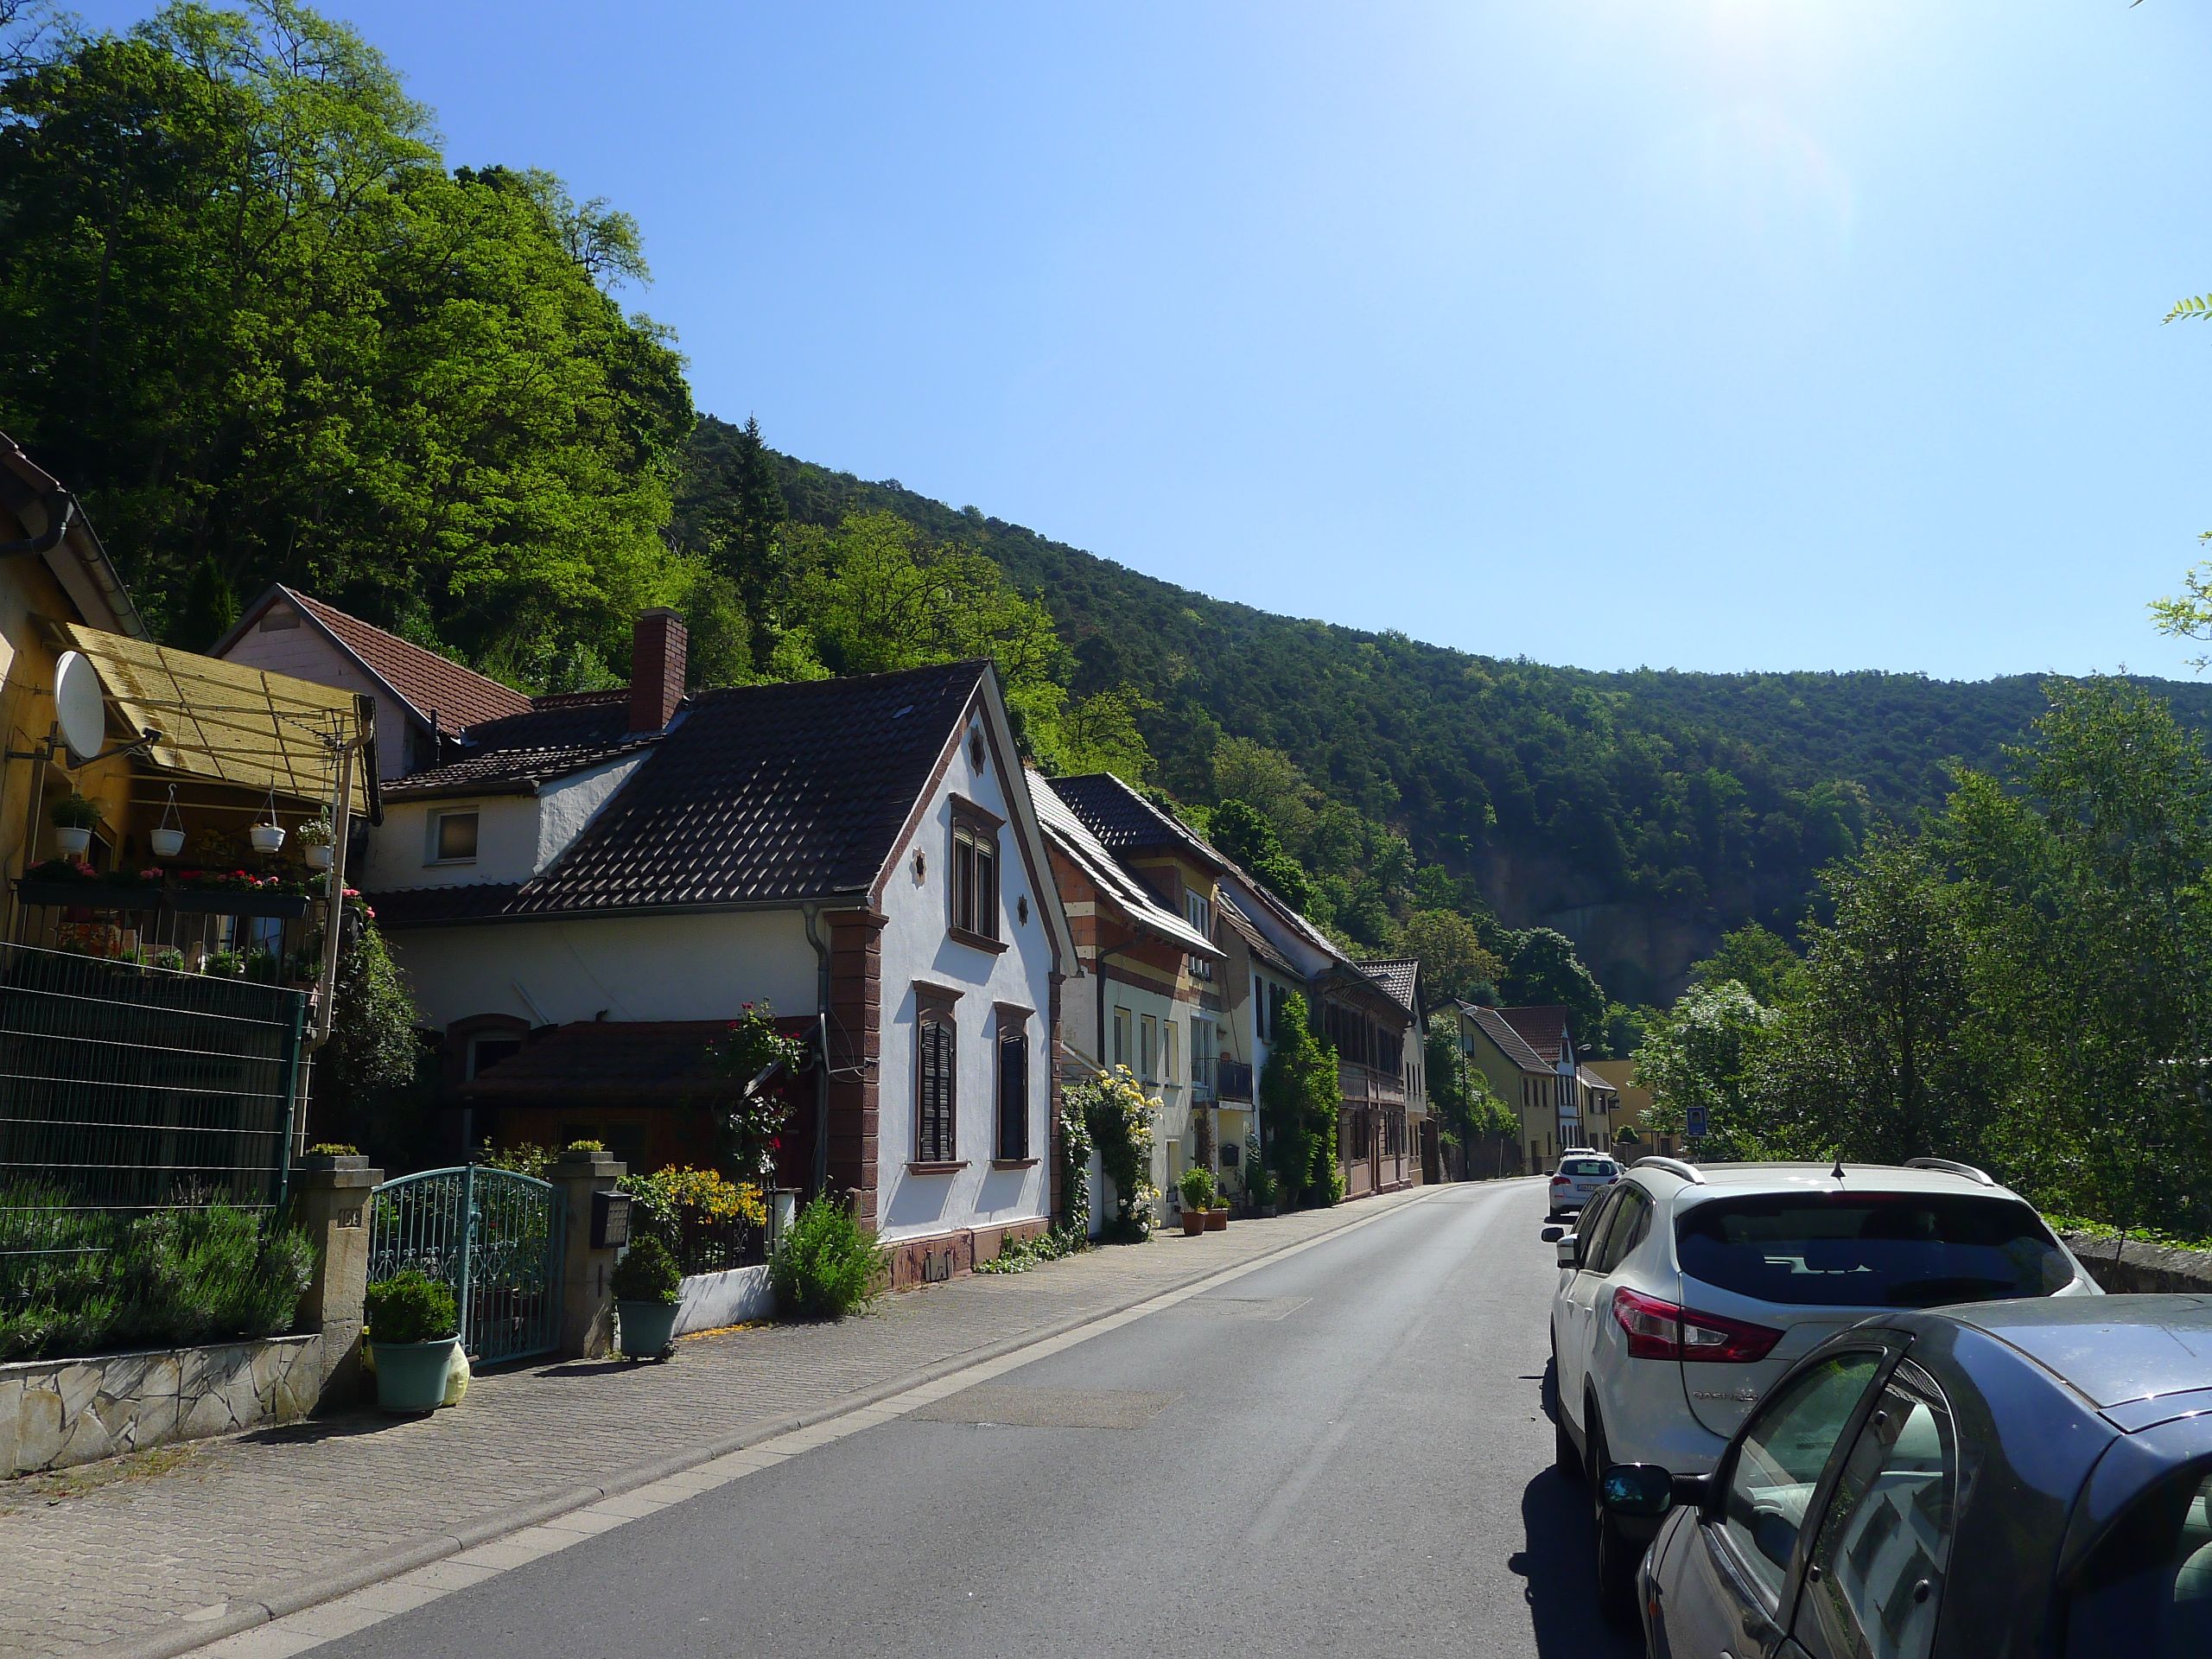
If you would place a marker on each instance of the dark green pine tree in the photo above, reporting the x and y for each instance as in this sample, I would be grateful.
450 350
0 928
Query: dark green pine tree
210 608
752 552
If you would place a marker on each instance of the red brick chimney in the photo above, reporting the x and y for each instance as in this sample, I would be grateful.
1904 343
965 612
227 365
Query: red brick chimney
657 644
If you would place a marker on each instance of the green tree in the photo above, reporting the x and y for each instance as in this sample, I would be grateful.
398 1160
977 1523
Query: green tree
1541 969
1300 1099
1452 961
1881 1057
1760 961
211 608
1473 1117
255 322
1249 837
1704 1052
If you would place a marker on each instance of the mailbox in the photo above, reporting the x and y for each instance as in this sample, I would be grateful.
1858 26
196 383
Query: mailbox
610 1220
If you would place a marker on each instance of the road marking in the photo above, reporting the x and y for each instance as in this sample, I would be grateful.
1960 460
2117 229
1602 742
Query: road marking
345 1615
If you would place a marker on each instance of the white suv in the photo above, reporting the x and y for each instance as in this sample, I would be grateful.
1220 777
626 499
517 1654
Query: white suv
1686 1291
1581 1176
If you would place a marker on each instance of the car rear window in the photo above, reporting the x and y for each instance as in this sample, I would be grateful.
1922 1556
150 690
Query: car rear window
1871 1249
1588 1167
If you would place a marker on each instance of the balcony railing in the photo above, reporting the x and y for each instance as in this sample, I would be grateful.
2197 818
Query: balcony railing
1364 1086
1234 1079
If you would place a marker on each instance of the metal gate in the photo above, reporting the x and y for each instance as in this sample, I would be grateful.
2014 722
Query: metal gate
495 1236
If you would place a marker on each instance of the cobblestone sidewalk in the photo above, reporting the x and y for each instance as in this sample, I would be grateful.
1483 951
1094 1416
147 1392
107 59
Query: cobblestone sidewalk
119 1551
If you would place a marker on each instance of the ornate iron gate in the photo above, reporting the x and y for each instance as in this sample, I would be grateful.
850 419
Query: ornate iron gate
495 1236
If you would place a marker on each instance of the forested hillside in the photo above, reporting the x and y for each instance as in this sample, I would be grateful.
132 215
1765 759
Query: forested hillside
268 331
1642 813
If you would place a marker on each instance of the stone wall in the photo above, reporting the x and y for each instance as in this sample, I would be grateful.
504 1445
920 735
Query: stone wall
2126 1265
55 1413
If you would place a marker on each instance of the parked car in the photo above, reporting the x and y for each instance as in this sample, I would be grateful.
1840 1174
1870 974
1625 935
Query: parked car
1686 1292
1581 1176
2011 1480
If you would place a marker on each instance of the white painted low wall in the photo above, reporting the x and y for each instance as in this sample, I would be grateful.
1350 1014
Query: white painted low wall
707 1301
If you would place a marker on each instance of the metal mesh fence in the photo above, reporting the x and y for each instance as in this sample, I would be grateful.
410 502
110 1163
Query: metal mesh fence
126 1089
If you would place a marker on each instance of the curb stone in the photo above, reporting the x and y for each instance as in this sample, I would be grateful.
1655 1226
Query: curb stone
184 1633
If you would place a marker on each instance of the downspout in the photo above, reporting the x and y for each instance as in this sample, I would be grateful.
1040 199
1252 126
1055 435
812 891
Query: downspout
810 913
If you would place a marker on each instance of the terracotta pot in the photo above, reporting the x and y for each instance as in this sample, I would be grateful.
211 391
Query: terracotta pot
1194 1221
1216 1221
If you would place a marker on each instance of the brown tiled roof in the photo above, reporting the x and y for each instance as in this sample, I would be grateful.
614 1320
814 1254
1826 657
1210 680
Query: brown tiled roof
430 684
648 1060
516 755
756 794
1125 822
1120 889
1398 976
1543 1029
1509 1041
1254 941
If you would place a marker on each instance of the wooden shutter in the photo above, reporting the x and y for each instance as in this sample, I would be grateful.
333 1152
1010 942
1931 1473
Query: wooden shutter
1014 1093
934 1138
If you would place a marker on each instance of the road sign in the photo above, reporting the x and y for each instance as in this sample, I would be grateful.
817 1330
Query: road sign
1694 1124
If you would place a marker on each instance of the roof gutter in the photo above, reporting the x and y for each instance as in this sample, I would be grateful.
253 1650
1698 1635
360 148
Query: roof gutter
61 511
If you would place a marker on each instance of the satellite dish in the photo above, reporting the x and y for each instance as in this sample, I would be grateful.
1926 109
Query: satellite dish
79 705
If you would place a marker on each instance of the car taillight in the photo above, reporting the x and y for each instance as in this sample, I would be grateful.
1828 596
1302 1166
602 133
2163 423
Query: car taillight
1659 1330
1558 1181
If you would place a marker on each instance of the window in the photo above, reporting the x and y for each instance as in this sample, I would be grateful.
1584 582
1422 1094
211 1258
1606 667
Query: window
1276 997
1778 1463
1202 1051
2148 1592
974 877
488 1050
1887 1534
1149 1068
1871 1249
1629 1223
1260 1008
1169 1072
937 1102
1122 1022
1197 910
1362 1133
1013 1085
453 837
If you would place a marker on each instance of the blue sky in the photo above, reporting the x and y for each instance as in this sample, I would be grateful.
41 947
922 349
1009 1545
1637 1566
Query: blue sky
1721 335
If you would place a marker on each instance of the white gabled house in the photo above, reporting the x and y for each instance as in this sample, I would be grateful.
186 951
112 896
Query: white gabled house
584 895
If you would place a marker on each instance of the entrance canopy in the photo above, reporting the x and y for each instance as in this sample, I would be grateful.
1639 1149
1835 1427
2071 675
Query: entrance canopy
230 724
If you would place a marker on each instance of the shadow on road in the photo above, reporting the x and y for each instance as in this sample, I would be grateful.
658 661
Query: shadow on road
1556 1563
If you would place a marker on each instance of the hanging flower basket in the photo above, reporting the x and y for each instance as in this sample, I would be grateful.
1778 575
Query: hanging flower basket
167 839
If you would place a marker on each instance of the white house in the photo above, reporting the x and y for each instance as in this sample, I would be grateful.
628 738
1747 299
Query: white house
586 897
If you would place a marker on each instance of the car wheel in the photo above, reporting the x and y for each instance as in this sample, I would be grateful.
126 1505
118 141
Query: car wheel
1617 1553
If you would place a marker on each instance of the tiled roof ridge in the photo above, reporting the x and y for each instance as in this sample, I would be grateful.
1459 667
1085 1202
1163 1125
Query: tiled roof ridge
579 699
1508 1041
407 670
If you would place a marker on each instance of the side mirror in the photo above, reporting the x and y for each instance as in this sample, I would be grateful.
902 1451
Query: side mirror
1570 1251
1553 1235
1642 1488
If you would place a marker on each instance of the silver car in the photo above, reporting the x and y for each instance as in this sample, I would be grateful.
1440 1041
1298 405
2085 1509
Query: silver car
1684 1292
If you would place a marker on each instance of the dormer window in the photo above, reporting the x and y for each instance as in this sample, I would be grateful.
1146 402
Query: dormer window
453 836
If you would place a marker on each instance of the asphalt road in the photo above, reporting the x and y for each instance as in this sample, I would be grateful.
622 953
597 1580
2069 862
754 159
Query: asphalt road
1345 1450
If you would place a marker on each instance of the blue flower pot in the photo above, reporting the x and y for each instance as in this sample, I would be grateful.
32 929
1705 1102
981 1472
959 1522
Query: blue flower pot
411 1375
648 1329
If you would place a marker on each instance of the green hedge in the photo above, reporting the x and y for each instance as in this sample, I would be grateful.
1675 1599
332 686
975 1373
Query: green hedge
75 1281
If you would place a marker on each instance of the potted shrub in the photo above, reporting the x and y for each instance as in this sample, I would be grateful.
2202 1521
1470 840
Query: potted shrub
74 818
1218 1212
646 1282
413 1329
1261 1189
315 837
1197 1188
